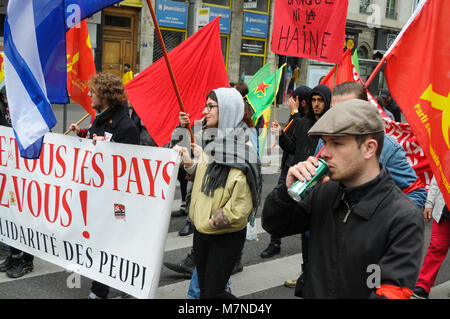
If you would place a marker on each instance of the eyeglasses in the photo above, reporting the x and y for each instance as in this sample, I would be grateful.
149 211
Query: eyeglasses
209 107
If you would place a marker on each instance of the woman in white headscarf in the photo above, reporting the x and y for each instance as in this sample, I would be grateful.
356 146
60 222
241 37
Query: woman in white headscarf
226 188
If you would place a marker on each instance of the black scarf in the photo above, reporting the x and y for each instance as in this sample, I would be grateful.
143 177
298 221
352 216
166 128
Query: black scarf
240 156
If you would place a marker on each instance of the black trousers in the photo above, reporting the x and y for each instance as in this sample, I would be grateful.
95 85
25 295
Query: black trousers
215 256
100 290
183 182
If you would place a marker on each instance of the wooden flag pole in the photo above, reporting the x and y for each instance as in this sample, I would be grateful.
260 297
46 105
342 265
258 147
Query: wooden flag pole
275 91
169 66
78 123
275 97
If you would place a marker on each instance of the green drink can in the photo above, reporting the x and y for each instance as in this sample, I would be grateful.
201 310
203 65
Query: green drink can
299 189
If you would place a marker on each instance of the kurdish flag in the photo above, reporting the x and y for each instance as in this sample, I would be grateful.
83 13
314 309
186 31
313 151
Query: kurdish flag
261 94
261 90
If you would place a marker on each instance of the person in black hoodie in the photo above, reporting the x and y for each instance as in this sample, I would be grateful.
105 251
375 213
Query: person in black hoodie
300 146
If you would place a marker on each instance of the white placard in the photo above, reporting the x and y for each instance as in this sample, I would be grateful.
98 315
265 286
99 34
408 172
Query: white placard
102 211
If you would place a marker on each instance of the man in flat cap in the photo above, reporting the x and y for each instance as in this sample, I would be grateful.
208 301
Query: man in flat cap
366 235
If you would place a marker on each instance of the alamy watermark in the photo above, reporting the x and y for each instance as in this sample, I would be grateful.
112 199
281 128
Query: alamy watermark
374 279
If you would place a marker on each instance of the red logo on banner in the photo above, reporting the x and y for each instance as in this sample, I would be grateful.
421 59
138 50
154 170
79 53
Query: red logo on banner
119 211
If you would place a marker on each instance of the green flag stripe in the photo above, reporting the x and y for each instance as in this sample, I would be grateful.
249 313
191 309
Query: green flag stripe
260 102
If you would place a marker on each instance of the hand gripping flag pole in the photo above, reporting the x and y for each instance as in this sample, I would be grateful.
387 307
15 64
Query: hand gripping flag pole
78 123
169 67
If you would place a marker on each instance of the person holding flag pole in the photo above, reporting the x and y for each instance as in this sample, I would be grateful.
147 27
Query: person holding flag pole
169 66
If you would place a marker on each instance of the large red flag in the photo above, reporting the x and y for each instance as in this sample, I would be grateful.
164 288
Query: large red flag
198 68
310 29
402 132
80 65
417 73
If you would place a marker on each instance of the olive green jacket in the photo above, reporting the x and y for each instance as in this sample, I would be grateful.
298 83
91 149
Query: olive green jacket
235 199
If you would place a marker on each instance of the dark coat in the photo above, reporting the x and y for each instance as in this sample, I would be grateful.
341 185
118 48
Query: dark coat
297 146
395 110
298 142
115 121
384 228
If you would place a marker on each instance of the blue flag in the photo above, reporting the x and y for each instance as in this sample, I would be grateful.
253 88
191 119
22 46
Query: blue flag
35 63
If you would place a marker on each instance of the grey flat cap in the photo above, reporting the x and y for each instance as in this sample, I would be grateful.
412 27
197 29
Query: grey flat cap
352 117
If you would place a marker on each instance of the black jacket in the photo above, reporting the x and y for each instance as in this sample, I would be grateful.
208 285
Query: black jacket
298 142
384 228
115 121
289 133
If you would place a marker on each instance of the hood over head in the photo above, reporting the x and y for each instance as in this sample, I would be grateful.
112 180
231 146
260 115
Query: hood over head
325 92
231 108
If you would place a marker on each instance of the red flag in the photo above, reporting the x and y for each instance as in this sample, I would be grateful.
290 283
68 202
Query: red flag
198 68
80 65
343 74
417 73
400 131
310 29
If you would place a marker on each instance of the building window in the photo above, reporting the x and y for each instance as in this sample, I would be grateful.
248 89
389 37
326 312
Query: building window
253 52
391 9
224 45
364 6
257 5
249 65
225 3
415 4
363 53
172 38
118 21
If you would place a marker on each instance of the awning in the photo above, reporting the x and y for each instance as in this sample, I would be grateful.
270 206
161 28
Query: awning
131 3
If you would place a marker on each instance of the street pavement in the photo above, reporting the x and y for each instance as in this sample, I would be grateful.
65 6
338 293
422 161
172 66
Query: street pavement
260 279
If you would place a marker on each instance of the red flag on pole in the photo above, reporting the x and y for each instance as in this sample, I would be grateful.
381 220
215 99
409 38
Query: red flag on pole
80 65
343 74
310 29
417 73
198 67
402 132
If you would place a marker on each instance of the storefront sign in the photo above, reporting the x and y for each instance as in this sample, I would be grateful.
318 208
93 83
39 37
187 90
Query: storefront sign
255 25
252 46
172 14
250 4
225 17
202 17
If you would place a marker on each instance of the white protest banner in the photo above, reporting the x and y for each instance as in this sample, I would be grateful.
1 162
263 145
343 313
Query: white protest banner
102 211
